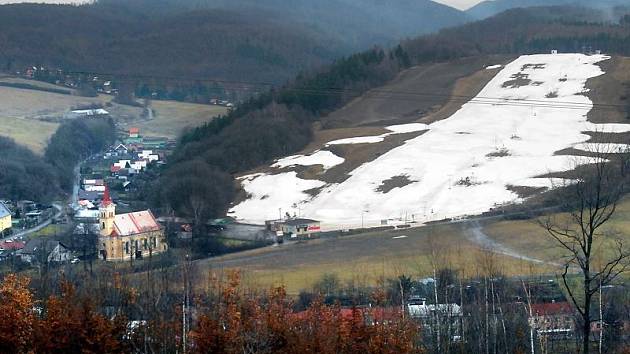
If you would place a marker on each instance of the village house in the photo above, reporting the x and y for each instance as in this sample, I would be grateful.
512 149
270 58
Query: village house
553 319
9 248
39 250
128 236
5 218
450 316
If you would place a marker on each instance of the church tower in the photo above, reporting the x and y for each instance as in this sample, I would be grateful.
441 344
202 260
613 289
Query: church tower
107 214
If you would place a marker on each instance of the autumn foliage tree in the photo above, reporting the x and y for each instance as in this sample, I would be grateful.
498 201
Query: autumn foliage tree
16 315
267 324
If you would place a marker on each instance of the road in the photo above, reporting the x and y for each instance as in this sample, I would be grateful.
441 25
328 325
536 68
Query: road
58 207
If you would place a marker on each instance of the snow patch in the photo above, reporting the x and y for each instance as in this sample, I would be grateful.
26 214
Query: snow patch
492 67
270 195
394 129
325 158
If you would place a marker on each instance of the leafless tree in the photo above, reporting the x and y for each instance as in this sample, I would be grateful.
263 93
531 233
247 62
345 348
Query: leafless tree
591 202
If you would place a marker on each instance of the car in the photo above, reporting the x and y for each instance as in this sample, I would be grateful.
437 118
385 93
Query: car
75 261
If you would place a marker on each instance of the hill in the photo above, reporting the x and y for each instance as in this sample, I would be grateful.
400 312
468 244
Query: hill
231 144
490 8
244 40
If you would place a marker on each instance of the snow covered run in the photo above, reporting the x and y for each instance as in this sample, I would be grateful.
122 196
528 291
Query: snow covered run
465 164
394 129
325 158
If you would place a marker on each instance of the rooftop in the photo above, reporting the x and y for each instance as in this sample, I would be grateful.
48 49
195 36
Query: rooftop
135 223
4 211
294 222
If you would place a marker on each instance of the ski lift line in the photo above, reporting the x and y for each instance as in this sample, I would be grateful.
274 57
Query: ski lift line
370 93
496 102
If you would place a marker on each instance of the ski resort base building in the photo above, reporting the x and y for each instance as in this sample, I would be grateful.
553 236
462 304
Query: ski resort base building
128 236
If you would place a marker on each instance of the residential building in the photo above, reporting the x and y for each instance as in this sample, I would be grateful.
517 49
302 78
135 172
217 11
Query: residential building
128 236
445 318
555 319
5 218
39 250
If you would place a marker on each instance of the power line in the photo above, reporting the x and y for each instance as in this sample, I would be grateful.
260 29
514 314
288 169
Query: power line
409 96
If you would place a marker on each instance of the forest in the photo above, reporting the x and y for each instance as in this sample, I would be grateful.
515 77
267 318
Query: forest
27 176
221 40
24 175
74 141
279 123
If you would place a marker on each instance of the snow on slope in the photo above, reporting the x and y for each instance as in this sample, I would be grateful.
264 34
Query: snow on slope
394 129
464 164
325 158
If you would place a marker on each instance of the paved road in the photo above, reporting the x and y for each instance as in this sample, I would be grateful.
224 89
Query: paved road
58 207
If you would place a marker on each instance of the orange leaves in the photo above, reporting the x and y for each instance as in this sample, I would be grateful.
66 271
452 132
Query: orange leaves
268 324
71 324
17 315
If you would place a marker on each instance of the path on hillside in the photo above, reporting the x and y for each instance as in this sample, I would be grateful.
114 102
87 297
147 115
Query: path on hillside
475 234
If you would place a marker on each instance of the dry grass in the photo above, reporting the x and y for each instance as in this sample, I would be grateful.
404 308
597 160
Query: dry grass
34 134
31 117
172 118
368 257
531 239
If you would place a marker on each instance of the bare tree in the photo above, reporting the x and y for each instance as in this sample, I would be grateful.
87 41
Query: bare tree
591 202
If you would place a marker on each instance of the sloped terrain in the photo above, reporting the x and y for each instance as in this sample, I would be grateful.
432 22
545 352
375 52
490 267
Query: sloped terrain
471 162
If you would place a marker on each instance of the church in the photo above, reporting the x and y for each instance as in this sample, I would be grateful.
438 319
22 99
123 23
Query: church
128 236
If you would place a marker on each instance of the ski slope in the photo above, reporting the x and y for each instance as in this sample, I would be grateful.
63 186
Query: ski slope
463 165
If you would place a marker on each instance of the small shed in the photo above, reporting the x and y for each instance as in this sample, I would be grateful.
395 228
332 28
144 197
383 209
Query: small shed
301 227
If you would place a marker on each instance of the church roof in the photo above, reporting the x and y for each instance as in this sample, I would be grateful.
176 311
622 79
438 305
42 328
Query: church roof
107 199
135 223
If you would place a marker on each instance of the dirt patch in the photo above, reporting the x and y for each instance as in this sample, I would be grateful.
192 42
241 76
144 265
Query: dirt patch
499 153
393 183
613 88
608 138
357 155
518 80
553 94
407 98
468 182
526 192
533 67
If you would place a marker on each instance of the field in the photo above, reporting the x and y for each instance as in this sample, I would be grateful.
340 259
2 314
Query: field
31 116
32 133
172 118
518 247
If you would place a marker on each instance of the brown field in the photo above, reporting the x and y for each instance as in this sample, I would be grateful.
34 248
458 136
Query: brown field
368 257
172 118
34 134
31 117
